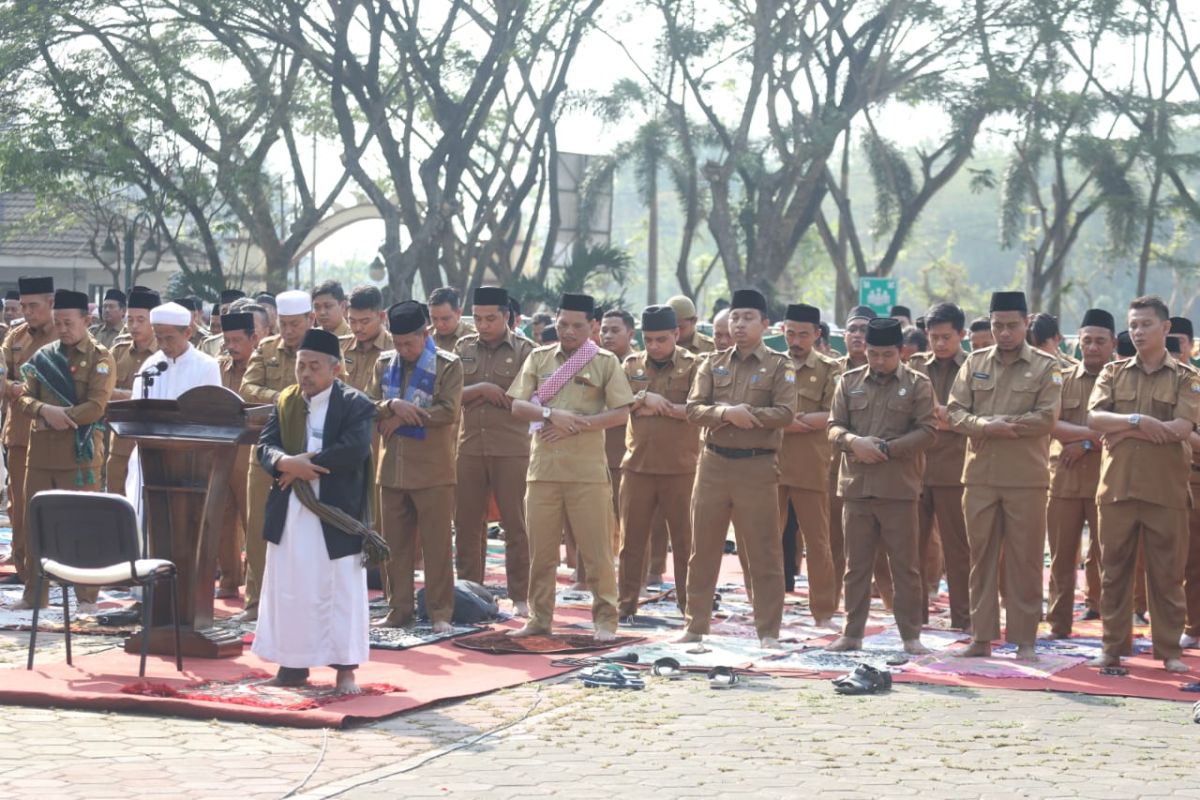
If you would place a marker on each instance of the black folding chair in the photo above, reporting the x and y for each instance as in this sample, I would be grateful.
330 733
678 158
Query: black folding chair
91 539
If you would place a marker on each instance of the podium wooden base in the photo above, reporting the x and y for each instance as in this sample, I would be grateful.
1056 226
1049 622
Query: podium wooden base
207 643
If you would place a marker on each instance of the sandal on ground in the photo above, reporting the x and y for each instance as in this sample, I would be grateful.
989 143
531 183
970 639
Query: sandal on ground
864 680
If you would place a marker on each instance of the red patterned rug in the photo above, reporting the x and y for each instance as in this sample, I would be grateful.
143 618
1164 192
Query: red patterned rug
500 643
249 690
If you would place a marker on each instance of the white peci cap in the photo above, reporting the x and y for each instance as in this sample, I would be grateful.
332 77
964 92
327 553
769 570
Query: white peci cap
170 314
292 303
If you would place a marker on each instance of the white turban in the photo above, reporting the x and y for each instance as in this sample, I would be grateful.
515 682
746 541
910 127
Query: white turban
170 314
292 303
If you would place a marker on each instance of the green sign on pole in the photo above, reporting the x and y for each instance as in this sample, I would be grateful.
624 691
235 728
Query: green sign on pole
878 293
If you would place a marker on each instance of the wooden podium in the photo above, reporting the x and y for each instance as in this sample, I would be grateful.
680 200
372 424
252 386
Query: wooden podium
188 449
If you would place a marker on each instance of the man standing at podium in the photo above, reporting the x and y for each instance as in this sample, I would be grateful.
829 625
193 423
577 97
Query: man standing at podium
314 596
186 367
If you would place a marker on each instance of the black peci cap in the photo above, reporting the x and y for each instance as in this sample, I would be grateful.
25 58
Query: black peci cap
885 332
577 302
65 299
407 316
321 341
659 318
35 285
237 322
799 312
1008 301
749 298
1098 318
490 296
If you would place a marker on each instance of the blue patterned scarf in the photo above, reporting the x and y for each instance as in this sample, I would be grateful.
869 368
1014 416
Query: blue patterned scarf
420 385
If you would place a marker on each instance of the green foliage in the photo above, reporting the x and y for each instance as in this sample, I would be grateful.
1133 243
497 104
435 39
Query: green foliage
593 269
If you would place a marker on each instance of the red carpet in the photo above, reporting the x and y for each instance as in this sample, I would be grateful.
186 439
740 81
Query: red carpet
423 675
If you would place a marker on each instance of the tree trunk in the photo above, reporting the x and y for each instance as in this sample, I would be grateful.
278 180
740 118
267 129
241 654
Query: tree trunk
652 239
1148 233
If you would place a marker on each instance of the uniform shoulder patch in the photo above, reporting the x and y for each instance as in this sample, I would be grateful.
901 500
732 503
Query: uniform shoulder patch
446 355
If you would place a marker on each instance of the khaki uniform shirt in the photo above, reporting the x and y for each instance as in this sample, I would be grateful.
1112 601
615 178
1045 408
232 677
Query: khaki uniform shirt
408 463
1028 391
1136 469
614 438
95 375
763 378
19 346
1081 479
270 370
943 461
232 372
106 336
897 408
489 430
214 345
199 334
804 455
600 385
662 445
448 341
129 362
700 344
358 358
343 329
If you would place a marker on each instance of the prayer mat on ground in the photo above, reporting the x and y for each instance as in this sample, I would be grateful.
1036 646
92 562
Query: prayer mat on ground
50 619
500 643
249 690
380 638
999 665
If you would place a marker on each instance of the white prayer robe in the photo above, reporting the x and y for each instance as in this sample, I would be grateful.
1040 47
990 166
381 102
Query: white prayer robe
190 370
313 611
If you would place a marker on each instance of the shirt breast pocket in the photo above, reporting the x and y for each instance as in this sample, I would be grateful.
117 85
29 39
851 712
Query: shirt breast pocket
809 397
900 405
1165 397
504 373
722 388
273 369
858 402
677 388
1125 399
983 394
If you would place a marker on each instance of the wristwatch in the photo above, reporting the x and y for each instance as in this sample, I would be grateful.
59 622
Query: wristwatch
640 396
546 413
1087 445
1135 420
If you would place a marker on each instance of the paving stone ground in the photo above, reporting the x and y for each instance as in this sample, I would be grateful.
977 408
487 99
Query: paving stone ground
766 738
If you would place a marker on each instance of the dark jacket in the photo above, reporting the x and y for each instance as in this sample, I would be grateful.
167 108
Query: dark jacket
345 452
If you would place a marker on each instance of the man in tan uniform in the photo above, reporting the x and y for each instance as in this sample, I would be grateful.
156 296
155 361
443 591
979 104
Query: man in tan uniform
722 339
1005 399
417 390
744 397
881 423
200 331
493 448
67 387
112 319
445 318
271 369
942 490
1075 473
805 452
1146 407
571 392
329 308
26 338
662 450
369 337
855 336
130 354
689 338
617 328
241 332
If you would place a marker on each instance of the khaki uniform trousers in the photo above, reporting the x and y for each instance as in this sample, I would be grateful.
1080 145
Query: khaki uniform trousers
1163 534
744 491
16 508
424 515
943 505
258 486
659 537
481 477
1065 518
43 480
837 539
1012 519
646 498
233 524
614 522
116 471
891 524
812 516
1191 576
549 506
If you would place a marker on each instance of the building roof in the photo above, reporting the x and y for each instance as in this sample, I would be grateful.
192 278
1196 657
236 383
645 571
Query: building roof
25 232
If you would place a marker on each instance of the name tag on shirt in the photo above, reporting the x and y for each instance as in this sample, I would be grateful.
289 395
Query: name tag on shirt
720 371
983 376
858 391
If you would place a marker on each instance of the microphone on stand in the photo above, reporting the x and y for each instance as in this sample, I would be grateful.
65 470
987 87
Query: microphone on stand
148 376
